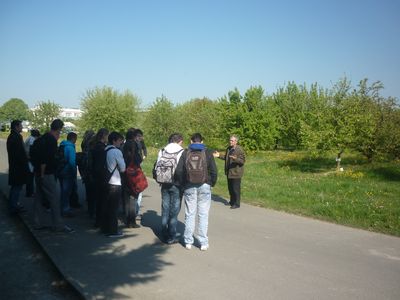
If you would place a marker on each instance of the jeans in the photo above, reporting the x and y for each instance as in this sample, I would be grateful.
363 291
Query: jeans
197 200
138 202
129 207
170 207
13 197
66 186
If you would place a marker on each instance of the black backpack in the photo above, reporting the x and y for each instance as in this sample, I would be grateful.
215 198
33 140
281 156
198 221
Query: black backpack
196 167
60 160
105 174
35 152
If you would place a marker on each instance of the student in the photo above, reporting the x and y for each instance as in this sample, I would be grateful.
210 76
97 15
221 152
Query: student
116 165
67 174
18 166
45 179
30 186
167 161
197 173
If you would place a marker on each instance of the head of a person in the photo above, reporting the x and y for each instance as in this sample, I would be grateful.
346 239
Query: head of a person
35 133
175 138
16 125
101 136
88 135
138 134
72 136
115 139
196 138
233 140
130 135
56 127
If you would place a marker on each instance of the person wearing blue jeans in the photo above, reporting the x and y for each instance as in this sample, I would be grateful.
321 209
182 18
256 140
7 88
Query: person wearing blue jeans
67 174
197 195
171 194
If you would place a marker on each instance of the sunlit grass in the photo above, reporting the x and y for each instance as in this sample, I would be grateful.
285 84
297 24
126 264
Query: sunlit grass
365 195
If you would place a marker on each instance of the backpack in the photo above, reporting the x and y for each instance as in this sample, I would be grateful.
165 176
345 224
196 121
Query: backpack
61 161
136 180
104 172
165 167
196 167
35 152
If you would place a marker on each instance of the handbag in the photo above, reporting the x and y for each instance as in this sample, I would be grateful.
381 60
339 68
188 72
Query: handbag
135 179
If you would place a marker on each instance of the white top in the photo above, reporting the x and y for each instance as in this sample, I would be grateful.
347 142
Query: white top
28 143
171 148
115 158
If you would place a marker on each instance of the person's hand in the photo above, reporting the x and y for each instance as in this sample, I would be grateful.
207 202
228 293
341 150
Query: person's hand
233 157
216 154
144 156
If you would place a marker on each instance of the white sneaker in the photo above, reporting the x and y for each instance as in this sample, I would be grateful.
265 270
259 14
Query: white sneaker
188 246
204 247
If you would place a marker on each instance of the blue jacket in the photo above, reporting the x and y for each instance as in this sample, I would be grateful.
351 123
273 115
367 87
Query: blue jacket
70 157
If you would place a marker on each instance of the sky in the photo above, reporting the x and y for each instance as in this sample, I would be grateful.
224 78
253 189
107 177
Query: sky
58 50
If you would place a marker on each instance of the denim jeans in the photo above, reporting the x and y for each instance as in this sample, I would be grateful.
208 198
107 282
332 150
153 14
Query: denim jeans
138 203
197 200
66 186
170 207
13 197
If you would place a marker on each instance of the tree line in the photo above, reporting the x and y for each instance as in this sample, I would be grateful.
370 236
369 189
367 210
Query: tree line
296 117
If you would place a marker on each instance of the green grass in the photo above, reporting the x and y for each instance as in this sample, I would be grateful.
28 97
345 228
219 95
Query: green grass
365 195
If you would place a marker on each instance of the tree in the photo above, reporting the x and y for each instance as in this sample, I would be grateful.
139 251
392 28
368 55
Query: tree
43 114
14 109
160 121
105 107
200 115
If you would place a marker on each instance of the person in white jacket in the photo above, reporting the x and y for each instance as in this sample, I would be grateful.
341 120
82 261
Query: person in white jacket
116 165
171 193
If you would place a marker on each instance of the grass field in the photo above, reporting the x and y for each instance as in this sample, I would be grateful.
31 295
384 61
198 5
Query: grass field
365 195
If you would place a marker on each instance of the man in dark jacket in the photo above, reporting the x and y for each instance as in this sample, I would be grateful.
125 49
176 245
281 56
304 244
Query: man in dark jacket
234 168
45 177
18 165
197 173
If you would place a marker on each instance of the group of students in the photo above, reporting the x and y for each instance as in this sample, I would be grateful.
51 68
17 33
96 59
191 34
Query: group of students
186 174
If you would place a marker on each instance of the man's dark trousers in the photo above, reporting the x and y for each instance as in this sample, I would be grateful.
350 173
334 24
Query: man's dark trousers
234 191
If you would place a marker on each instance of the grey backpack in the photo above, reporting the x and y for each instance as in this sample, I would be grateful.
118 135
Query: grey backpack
164 169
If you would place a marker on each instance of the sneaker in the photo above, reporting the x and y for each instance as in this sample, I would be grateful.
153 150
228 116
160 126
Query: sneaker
65 229
115 235
188 246
171 241
68 229
204 247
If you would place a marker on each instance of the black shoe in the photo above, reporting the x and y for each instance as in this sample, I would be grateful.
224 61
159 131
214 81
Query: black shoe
68 214
171 241
134 225
235 206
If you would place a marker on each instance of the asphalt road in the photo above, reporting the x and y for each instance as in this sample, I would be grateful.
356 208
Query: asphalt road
25 270
254 253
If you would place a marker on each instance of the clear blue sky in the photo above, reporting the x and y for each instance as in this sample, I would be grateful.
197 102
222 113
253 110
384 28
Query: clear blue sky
56 50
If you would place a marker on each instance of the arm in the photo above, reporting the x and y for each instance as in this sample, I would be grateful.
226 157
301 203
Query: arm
239 157
212 169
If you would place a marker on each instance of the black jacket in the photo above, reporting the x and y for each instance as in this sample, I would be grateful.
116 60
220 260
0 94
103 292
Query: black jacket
211 167
17 159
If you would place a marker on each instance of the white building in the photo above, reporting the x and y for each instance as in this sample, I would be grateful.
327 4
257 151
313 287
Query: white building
73 113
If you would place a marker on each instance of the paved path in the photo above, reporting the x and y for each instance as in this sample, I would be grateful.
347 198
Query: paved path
254 253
